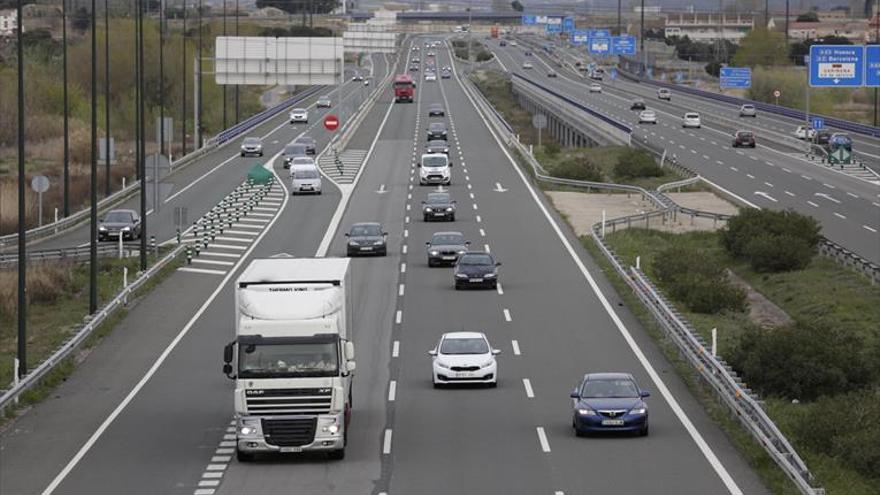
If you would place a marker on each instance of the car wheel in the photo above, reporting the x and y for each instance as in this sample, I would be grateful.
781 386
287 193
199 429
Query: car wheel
493 384
431 264
452 217
336 455
425 218
384 252
456 286
437 384
349 253
243 456
242 154
495 284
644 431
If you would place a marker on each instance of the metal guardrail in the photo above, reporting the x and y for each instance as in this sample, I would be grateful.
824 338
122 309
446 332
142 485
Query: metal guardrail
54 228
725 383
68 254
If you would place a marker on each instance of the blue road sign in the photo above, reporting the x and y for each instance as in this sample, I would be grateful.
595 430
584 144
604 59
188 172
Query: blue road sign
599 46
837 66
817 123
553 28
600 33
623 45
650 73
736 77
580 37
529 20
679 77
568 24
613 74
872 65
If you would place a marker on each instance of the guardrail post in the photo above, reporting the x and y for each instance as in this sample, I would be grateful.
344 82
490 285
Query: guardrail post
715 342
124 283
638 262
15 377
120 245
153 245
603 224
56 215
178 236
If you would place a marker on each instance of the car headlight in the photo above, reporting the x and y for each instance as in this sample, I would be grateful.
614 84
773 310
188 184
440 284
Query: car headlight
352 243
332 429
490 275
461 275
435 253
487 364
586 412
102 228
462 251
638 410
247 430
126 229
449 209
429 210
378 243
441 364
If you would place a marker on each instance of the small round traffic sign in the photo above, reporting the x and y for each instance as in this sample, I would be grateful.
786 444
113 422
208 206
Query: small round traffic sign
777 93
331 122
40 183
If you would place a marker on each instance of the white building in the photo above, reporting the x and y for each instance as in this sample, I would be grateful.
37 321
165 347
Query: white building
709 27
8 22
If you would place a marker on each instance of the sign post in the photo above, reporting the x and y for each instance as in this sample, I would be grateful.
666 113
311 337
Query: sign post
40 184
777 94
539 121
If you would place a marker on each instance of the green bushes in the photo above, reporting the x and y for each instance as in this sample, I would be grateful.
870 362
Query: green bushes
698 281
772 241
804 361
578 168
632 164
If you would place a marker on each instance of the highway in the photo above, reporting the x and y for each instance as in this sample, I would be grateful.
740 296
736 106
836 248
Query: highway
767 176
152 407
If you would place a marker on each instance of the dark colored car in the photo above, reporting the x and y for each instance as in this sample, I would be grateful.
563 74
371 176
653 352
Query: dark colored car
822 137
502 43
367 238
476 269
125 223
611 402
637 105
436 110
743 138
292 151
309 143
437 130
527 53
438 206
413 68
551 74
437 146
444 248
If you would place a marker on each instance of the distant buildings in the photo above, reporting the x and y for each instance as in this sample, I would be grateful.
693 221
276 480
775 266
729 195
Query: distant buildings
854 30
8 22
709 27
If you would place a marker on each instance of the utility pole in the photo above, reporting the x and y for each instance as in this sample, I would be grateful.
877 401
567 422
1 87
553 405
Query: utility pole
237 119
183 71
22 228
93 223
224 86
618 18
786 23
199 124
767 14
107 97
143 135
875 18
642 38
66 109
161 80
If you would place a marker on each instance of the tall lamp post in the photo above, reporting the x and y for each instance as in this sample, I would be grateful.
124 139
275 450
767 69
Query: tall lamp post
93 223
183 71
22 245
66 109
107 98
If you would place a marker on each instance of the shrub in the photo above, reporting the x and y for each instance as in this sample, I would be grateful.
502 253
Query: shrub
698 281
483 56
577 168
802 361
778 253
772 240
632 164
551 148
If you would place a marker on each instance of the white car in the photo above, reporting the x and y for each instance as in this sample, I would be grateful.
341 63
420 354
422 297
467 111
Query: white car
304 176
464 357
664 94
595 88
324 102
527 65
252 146
435 168
804 132
647 117
691 119
514 43
299 115
430 76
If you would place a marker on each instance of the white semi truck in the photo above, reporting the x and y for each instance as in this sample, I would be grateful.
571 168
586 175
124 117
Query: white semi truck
292 358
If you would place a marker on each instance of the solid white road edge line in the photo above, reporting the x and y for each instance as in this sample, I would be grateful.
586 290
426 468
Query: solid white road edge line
704 447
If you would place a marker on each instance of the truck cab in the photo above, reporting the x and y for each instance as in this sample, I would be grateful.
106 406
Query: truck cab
404 88
292 359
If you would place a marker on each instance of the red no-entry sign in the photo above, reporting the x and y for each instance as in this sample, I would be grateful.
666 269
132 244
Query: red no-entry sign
331 122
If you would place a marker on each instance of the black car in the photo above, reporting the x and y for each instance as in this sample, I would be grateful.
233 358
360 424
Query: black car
744 138
444 248
292 151
438 206
309 143
551 74
437 130
413 68
476 269
116 223
822 137
367 238
637 105
609 402
436 110
437 146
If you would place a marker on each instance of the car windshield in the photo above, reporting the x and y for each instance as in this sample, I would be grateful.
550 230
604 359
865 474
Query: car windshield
437 126
436 107
464 346
606 389
691 116
118 217
294 149
402 84
305 174
251 141
447 239
748 107
305 140
745 134
287 360
648 113
299 110
438 198
365 231
434 161
476 260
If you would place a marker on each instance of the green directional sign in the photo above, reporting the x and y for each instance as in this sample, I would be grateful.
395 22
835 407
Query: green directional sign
840 155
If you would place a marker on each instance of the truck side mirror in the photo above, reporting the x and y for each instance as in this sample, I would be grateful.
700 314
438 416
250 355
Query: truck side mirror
345 234
227 352
418 165
349 351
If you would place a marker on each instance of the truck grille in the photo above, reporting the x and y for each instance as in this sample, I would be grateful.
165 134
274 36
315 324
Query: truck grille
289 432
281 402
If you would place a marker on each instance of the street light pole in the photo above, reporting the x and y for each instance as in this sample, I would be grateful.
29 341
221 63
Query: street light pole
161 79
642 30
93 207
224 86
200 125
183 71
142 134
22 228
107 97
619 18
237 119
66 109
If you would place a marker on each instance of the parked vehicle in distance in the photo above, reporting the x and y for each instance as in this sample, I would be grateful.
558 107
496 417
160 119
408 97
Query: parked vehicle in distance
404 88
116 223
527 53
638 104
464 357
743 138
415 60
366 238
304 177
551 74
609 402
436 110
596 74
437 130
414 68
527 65
435 169
438 206
300 115
437 146
292 151
445 248
647 117
324 101
502 43
476 269
691 119
252 145
595 88
514 43
748 110
309 142
803 132
664 94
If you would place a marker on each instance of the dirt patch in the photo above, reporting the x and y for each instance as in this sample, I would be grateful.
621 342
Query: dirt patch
762 311
704 201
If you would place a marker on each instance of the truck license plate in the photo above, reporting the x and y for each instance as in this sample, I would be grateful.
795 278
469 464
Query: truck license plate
288 450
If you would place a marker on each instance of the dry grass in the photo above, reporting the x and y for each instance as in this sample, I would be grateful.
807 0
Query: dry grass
46 283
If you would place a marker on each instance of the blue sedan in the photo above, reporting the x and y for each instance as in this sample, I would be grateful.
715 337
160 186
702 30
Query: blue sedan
609 402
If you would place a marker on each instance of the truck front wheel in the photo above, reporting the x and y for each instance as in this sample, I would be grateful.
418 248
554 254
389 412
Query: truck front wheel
244 456
336 455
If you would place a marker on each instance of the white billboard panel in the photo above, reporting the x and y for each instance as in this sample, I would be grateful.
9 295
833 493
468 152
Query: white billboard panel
370 42
268 61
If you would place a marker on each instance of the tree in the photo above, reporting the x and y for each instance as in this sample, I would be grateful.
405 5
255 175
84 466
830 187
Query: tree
301 6
801 48
761 48
81 19
517 5
808 17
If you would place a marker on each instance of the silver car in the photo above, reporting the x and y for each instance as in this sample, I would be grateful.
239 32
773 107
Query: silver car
748 110
323 102
647 117
252 146
444 248
299 115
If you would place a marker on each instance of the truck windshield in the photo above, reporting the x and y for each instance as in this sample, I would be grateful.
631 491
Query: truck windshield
288 360
402 85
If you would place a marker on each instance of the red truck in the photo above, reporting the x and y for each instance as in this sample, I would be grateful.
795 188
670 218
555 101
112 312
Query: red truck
404 88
